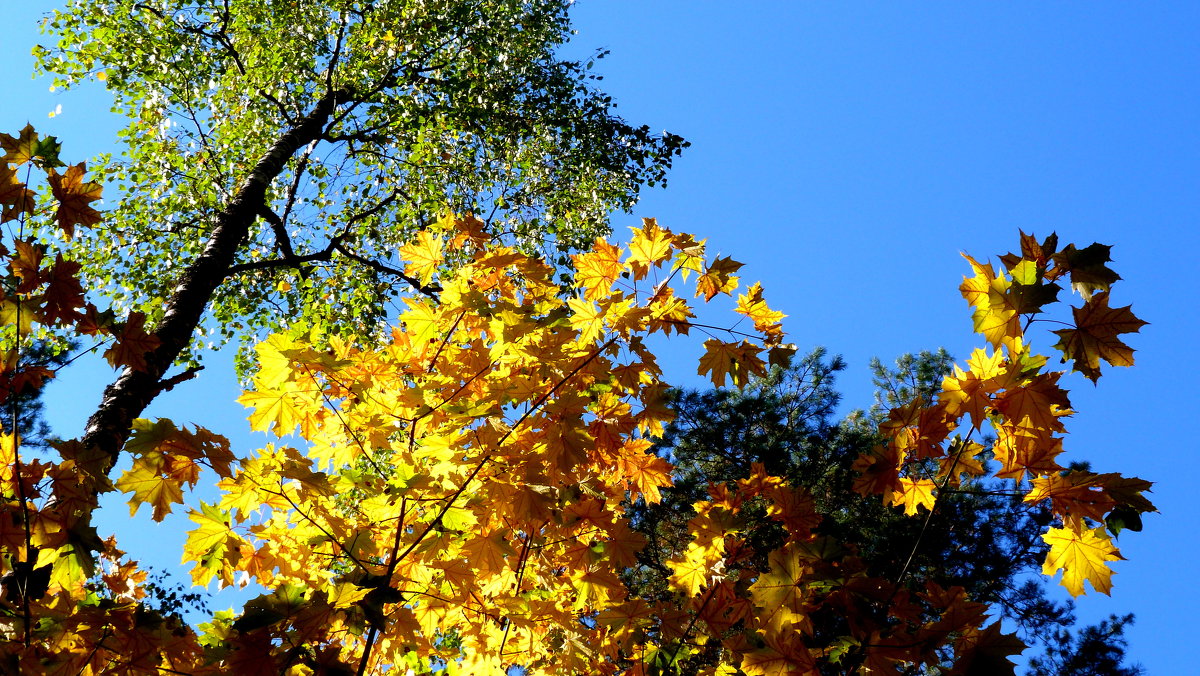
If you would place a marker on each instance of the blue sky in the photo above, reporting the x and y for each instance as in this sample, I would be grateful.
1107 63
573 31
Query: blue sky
847 152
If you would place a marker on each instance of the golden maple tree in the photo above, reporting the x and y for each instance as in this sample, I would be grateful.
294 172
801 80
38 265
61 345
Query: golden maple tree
451 499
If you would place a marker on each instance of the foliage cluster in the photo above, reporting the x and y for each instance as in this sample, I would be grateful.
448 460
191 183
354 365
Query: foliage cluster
458 503
457 484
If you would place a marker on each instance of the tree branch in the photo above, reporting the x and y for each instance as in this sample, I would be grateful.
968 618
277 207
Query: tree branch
133 390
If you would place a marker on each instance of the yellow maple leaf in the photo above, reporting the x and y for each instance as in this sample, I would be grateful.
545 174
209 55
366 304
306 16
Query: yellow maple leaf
346 594
274 366
1081 555
587 319
995 314
651 245
278 408
598 269
424 256
149 486
209 544
753 306
970 392
914 493
689 570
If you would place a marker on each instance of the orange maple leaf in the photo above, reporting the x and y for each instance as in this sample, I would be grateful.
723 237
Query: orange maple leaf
1074 493
718 278
645 473
1037 404
64 295
735 360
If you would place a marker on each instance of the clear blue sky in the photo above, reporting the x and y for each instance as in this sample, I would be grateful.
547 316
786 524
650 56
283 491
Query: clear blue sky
847 152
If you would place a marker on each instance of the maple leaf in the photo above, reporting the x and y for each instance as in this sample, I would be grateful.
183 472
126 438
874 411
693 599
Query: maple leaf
878 471
148 485
753 306
770 662
996 313
26 264
1038 403
598 269
1081 555
971 392
650 246
73 196
985 651
914 493
645 472
1095 336
626 618
14 196
668 311
1022 449
1087 268
20 313
424 256
64 295
1074 493
274 360
279 409
21 149
132 344
211 545
690 571
718 278
1039 253
587 319
737 361
780 591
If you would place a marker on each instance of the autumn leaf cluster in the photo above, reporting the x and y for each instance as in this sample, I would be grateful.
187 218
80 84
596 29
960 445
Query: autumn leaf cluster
452 499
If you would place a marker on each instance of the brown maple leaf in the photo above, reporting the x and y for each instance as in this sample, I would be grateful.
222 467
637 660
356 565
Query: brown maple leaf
14 196
132 344
1095 336
73 196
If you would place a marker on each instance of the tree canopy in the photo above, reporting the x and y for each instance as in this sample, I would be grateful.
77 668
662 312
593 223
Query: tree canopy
451 484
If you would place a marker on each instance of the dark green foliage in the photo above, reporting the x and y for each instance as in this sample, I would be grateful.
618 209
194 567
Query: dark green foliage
1097 650
979 537
25 405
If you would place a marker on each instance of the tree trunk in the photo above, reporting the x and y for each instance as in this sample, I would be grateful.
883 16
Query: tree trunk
127 397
